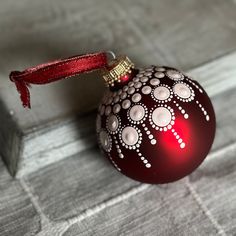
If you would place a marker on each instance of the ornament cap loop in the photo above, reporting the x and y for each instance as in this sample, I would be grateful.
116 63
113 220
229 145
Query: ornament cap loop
116 69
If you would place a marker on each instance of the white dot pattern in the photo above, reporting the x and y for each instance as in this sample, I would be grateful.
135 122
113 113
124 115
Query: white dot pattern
124 118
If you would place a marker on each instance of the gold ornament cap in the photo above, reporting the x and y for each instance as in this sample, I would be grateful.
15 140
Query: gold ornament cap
118 68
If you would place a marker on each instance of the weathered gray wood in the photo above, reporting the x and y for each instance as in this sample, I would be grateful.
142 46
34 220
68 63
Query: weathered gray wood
84 195
92 181
215 184
153 33
166 210
17 214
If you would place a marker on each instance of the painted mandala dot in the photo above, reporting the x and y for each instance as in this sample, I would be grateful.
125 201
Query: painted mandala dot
173 74
144 79
137 113
182 90
159 74
161 116
105 140
123 95
129 135
108 110
112 123
116 108
154 82
146 90
161 93
131 90
126 104
136 97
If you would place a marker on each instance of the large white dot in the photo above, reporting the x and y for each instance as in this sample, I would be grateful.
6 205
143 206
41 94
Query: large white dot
129 135
116 108
105 140
136 97
137 113
126 104
161 116
123 95
112 123
154 82
138 85
108 110
131 90
182 90
146 90
173 74
161 93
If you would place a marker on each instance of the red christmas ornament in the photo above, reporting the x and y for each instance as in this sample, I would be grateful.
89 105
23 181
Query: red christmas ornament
155 125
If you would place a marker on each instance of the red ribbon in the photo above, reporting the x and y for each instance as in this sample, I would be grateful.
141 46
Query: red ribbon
56 70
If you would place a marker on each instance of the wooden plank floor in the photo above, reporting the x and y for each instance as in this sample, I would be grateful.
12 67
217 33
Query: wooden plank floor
64 186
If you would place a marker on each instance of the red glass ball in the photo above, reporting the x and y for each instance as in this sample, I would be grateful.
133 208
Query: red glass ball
157 127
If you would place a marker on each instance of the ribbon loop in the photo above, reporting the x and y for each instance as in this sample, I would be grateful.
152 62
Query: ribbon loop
56 70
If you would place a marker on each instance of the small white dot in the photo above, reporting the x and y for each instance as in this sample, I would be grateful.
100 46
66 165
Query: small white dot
186 116
207 118
150 136
153 141
182 145
121 155
148 165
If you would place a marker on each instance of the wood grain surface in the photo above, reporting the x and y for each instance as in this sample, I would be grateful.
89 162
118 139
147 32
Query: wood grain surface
63 185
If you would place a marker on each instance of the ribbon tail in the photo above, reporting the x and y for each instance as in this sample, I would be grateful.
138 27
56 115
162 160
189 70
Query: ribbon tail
22 88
